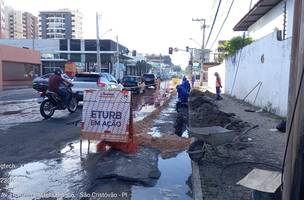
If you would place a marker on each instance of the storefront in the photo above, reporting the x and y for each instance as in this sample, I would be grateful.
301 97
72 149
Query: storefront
18 67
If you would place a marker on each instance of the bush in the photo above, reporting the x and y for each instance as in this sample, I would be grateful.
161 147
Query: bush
231 46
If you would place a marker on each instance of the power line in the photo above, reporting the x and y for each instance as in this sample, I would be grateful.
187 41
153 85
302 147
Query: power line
223 24
214 19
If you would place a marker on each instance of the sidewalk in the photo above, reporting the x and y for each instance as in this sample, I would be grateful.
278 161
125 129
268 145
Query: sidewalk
259 148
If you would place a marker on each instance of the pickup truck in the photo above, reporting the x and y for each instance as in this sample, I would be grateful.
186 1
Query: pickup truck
100 81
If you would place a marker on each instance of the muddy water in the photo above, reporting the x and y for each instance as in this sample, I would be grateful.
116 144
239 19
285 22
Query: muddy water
67 177
172 183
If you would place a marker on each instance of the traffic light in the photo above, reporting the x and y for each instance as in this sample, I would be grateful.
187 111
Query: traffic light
170 50
190 62
187 48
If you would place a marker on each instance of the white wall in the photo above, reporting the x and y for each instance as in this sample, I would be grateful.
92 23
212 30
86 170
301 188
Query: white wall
273 73
211 78
273 20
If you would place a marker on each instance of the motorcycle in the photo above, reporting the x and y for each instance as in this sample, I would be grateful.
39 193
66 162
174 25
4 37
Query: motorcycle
52 101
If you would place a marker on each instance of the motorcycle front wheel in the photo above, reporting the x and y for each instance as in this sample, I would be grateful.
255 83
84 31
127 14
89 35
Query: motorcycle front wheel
73 104
47 109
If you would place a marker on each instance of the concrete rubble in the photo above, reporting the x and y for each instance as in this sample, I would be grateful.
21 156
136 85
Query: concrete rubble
140 168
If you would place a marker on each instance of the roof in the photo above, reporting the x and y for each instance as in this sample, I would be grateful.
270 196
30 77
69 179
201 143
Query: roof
258 11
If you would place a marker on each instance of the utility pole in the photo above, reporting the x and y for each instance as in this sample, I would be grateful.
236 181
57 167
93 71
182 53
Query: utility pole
203 27
117 74
98 44
293 176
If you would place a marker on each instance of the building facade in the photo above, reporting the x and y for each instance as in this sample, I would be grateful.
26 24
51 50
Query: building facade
30 26
268 16
62 24
56 53
20 25
2 20
18 67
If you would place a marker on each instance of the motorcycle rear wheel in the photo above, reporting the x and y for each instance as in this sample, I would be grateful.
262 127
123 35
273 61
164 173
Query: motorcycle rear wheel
47 109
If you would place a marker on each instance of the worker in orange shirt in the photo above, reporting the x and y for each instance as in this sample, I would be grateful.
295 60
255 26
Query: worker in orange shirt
218 86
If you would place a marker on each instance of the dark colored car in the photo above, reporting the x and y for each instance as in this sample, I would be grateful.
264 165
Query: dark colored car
150 80
133 84
41 83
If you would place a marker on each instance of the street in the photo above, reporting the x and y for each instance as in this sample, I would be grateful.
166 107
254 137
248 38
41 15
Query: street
46 160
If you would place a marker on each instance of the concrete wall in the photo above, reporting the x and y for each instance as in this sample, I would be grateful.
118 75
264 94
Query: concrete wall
273 20
266 60
211 78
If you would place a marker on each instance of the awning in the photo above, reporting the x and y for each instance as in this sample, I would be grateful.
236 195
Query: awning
258 11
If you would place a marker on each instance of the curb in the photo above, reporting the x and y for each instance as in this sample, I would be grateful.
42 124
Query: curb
196 182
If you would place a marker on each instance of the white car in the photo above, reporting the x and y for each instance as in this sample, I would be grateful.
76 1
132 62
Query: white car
100 81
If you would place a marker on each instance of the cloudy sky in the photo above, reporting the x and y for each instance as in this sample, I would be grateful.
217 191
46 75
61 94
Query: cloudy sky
145 25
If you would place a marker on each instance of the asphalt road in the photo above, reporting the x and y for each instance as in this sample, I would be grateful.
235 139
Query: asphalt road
25 136
18 94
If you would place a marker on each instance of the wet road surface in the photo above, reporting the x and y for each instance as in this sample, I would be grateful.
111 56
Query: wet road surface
66 175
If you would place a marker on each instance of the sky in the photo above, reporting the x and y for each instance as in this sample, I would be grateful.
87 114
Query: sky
148 26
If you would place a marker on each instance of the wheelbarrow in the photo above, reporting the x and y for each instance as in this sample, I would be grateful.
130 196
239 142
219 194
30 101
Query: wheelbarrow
214 136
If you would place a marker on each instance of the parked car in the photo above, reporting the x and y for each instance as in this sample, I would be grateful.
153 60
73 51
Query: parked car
150 80
41 83
133 84
101 81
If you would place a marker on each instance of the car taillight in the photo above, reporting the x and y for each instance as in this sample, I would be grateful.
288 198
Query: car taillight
100 83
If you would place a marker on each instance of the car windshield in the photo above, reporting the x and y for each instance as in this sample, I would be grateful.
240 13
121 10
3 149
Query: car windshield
149 76
86 77
130 79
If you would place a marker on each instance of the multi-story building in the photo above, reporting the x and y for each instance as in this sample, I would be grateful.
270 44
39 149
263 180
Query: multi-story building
55 53
62 24
2 20
30 25
20 25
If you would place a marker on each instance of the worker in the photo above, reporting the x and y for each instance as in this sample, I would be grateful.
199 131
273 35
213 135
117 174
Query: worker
218 86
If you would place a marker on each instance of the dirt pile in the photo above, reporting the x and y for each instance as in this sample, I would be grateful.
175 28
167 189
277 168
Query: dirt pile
204 112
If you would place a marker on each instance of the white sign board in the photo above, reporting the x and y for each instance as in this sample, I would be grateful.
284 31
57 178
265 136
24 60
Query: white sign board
106 115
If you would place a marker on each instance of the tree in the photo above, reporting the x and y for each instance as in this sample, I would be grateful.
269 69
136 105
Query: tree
230 47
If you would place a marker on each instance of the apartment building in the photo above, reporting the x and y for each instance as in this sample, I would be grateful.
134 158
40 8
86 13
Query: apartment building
20 25
61 24
2 20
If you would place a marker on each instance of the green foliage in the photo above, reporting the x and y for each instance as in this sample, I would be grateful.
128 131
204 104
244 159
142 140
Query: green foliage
230 47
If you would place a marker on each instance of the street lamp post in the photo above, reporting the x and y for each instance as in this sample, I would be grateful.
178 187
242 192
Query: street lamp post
98 43
116 73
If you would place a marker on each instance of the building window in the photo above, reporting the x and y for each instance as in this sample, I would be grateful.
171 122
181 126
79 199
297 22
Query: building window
90 45
75 57
64 56
63 45
75 45
90 58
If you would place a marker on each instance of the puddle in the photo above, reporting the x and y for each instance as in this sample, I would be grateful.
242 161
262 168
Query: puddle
63 177
172 183
155 132
67 177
